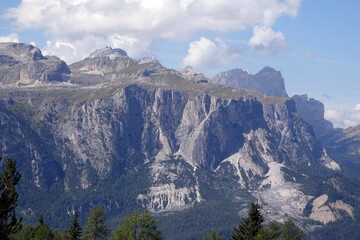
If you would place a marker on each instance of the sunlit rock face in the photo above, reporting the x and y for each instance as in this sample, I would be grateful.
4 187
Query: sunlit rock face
325 211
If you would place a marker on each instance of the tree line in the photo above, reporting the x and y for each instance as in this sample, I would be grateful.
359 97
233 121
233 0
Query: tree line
136 226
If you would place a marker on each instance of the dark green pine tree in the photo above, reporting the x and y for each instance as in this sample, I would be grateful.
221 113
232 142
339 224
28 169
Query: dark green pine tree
8 200
95 228
271 232
42 231
291 232
213 235
74 232
138 226
24 234
251 225
58 235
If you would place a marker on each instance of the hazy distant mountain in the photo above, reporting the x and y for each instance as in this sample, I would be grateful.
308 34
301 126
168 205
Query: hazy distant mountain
344 145
268 81
312 111
129 134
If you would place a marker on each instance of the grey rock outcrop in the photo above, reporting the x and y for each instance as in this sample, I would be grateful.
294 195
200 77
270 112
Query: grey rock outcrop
24 64
21 52
325 212
268 81
312 111
109 64
109 52
104 61
190 73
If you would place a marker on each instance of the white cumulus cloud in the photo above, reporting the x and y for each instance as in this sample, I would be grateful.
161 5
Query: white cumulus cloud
130 23
266 42
80 48
357 107
12 37
206 53
343 117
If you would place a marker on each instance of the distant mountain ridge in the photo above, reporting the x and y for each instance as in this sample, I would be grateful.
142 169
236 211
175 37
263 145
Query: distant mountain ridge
268 81
312 111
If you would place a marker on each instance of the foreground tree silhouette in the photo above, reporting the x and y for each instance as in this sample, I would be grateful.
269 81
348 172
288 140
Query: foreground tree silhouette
251 225
95 228
138 226
24 234
291 232
8 200
271 232
212 235
42 231
74 233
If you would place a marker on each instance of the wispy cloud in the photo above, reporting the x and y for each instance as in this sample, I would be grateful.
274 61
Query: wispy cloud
12 37
327 96
344 117
309 56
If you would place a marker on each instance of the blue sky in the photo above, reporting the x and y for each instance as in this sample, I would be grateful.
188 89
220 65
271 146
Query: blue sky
314 43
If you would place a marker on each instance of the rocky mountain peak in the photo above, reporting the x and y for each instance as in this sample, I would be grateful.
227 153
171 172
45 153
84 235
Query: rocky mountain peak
233 74
100 63
188 69
268 69
24 64
21 51
246 70
148 60
188 72
109 52
271 82
268 81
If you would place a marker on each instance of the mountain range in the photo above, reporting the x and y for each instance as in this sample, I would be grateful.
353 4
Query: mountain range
126 134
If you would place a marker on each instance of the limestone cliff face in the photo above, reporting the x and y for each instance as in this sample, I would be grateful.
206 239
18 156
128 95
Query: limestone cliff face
192 138
203 129
133 125
20 141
